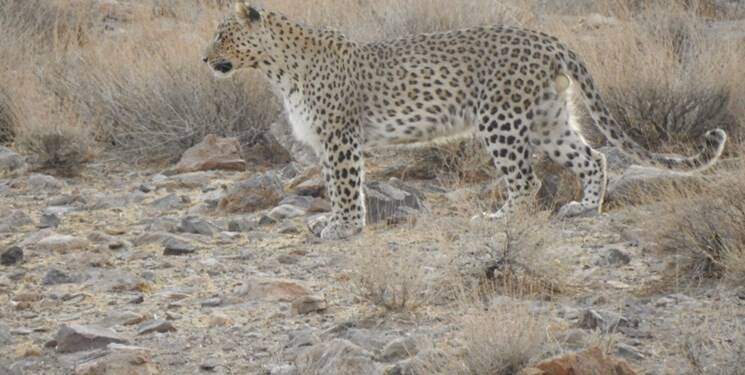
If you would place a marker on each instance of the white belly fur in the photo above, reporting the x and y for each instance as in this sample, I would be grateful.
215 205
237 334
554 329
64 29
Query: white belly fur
300 121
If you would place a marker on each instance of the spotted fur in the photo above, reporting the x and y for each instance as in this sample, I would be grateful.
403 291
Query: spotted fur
509 85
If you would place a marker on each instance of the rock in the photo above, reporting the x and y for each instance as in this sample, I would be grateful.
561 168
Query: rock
605 321
62 243
612 256
313 187
56 277
399 349
270 289
300 152
243 223
10 162
126 318
13 221
212 153
168 202
588 362
308 304
6 371
119 360
109 201
426 362
75 337
383 200
211 302
178 246
112 280
198 225
5 336
11 256
41 183
63 200
283 370
161 326
646 180
191 180
286 211
319 205
48 221
256 193
336 357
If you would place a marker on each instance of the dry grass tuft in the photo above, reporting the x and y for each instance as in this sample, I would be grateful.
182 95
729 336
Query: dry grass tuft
705 230
391 277
502 338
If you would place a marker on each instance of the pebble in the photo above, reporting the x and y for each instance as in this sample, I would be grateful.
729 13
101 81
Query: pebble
11 256
151 326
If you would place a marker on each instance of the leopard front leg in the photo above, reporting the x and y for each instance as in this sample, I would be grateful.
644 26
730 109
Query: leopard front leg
342 170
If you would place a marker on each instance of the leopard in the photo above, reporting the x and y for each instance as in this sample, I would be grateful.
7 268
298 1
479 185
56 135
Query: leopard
509 87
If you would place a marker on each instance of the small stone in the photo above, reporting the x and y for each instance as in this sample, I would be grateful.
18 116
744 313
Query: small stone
283 370
76 337
56 277
212 302
308 304
286 211
178 246
318 205
48 221
41 183
288 228
219 319
10 162
399 349
13 221
198 225
161 326
230 236
209 364
288 259
605 321
62 243
256 193
212 153
168 202
5 336
119 360
126 318
11 256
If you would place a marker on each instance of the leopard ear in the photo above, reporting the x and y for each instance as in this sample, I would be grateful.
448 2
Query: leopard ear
246 13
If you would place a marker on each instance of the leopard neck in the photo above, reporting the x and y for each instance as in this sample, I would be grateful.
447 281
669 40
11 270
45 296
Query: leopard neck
292 51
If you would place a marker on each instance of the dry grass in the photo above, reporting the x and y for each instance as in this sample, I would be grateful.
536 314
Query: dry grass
704 229
713 343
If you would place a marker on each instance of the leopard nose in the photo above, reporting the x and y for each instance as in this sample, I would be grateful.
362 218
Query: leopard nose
204 59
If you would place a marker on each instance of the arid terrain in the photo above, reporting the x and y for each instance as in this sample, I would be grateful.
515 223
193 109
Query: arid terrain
154 220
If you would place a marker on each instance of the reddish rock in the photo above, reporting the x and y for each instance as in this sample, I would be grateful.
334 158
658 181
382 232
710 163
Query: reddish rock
588 362
212 153
256 193
283 290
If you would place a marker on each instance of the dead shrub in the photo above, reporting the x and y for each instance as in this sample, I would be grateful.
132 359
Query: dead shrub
163 100
390 277
61 150
8 120
518 259
705 230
